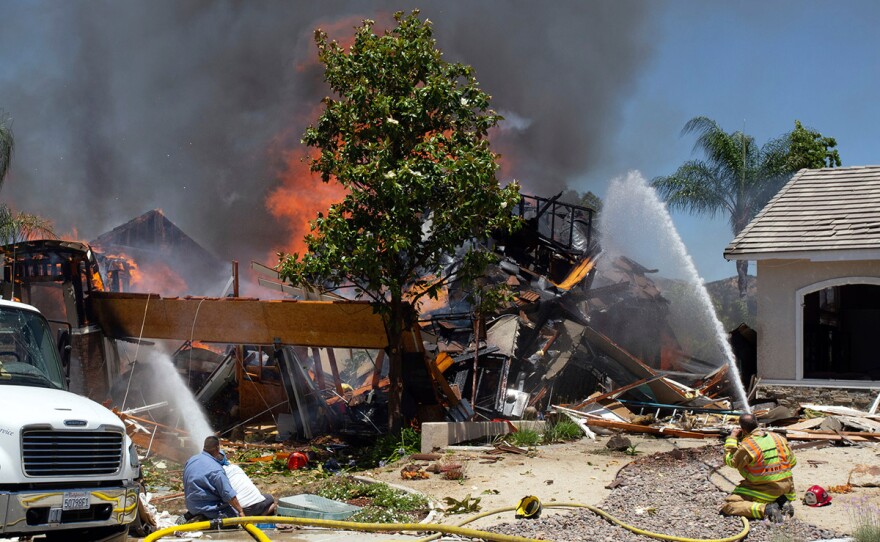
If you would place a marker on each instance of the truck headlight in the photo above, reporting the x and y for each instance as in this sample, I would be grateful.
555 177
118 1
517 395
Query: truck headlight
133 456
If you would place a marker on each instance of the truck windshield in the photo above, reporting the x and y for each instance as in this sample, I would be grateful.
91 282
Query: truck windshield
27 351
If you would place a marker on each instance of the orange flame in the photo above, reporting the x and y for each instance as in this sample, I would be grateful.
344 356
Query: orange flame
299 198
217 349
149 277
301 194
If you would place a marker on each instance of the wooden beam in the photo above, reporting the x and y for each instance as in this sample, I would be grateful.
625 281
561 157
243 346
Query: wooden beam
344 324
612 393
662 390
633 428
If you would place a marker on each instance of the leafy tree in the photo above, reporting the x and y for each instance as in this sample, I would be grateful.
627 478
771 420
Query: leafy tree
406 135
808 149
15 227
737 177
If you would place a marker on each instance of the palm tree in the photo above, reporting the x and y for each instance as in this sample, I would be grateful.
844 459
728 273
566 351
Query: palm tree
6 145
737 177
16 227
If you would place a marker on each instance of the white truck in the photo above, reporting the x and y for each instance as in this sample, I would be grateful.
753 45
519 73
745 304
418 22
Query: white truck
67 468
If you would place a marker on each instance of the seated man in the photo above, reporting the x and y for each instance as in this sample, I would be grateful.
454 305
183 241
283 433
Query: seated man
252 501
206 487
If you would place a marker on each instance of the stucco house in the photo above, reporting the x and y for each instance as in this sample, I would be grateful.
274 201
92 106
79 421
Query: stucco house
817 248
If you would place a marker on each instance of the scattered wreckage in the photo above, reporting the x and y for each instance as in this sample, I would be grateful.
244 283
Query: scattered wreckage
587 341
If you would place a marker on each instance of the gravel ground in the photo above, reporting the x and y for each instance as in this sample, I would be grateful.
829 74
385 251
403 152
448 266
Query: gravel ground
667 493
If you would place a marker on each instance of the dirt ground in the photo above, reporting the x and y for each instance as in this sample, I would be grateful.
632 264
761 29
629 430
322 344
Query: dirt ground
579 471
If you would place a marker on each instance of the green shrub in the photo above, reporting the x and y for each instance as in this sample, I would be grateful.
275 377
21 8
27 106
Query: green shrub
387 505
390 448
523 438
563 430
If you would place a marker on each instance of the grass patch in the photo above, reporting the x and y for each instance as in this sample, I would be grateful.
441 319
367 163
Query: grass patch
523 438
562 431
391 448
865 519
381 503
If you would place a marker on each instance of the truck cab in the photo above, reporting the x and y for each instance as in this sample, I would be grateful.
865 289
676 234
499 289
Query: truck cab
67 468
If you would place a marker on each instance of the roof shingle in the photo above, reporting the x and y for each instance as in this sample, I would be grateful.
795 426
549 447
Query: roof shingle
817 210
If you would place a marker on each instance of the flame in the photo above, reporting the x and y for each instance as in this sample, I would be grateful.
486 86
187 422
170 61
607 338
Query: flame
299 198
122 263
159 277
146 277
300 194
97 281
217 349
73 236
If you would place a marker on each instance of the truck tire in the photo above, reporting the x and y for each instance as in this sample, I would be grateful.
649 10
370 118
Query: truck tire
140 528
116 533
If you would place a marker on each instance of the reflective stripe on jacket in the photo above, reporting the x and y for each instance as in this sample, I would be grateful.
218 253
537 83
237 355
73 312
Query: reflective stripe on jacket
760 457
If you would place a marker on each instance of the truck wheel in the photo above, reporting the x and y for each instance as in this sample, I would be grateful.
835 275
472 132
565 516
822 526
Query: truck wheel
116 533
140 528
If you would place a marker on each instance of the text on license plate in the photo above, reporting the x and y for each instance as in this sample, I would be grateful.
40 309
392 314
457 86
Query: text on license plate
75 500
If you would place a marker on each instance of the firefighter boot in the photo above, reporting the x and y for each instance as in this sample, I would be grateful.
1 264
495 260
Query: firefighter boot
773 513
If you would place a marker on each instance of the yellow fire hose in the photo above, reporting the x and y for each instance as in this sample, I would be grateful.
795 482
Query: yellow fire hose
458 529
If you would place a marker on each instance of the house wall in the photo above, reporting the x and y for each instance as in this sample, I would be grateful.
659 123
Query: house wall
778 307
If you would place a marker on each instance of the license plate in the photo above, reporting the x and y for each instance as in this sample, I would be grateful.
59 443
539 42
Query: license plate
75 500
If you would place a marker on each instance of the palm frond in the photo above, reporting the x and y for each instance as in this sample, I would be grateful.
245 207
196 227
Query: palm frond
18 227
6 145
696 187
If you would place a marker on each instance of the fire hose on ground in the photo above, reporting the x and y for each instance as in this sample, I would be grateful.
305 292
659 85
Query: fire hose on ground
458 529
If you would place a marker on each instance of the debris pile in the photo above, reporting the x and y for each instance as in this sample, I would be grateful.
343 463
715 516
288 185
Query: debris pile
584 337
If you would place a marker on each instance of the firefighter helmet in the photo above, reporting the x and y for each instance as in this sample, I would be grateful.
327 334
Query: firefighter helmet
528 507
817 496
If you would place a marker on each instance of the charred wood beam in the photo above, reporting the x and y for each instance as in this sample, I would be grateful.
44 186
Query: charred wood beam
349 324
469 355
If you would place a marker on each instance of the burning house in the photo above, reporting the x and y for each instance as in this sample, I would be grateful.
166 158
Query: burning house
576 326
151 254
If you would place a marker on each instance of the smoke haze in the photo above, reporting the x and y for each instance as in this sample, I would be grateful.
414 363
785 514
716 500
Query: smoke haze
197 107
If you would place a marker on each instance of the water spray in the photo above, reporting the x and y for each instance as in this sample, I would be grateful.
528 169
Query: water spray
631 195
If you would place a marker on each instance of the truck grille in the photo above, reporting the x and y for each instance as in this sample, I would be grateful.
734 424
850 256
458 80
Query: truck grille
71 453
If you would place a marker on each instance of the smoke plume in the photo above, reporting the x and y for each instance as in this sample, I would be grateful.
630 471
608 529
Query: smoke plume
197 107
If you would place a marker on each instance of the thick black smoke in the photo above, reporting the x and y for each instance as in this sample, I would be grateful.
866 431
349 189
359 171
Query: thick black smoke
122 107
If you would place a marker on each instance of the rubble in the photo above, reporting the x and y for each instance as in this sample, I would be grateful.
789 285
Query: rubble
584 337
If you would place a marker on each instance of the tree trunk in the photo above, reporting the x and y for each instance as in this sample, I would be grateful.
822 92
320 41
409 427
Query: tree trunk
476 358
742 277
395 390
394 328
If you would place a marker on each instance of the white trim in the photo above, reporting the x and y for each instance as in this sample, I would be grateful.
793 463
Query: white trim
830 255
799 295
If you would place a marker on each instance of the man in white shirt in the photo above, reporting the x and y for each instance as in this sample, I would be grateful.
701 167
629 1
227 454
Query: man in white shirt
252 501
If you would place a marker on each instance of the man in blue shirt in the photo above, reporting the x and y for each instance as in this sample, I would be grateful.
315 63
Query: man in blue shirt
205 485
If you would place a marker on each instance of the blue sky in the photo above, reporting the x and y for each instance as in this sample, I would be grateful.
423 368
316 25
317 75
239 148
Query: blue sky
756 66
122 107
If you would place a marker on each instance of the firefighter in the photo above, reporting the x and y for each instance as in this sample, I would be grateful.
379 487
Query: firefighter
764 460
